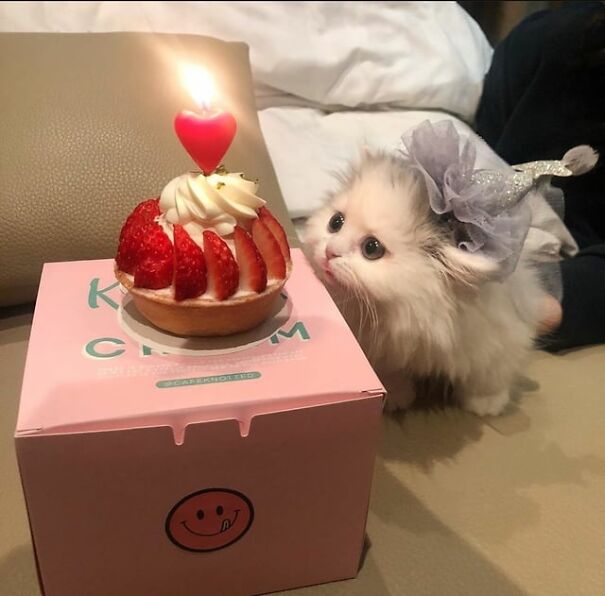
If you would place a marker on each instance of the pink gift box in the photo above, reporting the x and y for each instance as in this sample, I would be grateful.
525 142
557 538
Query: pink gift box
192 468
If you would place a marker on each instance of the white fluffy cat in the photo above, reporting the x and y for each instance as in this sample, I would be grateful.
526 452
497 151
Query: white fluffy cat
421 307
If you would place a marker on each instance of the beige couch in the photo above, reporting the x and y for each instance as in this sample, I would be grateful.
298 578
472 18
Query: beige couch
511 505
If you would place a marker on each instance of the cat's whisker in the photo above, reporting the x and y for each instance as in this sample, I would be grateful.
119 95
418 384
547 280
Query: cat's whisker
362 312
368 323
353 284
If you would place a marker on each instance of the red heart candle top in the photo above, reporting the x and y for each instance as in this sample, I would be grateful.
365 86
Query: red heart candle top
206 137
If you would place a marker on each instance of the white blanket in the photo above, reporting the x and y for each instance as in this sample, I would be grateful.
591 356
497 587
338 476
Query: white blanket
407 54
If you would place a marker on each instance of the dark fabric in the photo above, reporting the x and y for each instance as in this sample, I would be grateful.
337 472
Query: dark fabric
545 93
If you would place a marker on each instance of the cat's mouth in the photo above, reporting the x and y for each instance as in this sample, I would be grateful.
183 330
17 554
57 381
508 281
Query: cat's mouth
329 275
327 271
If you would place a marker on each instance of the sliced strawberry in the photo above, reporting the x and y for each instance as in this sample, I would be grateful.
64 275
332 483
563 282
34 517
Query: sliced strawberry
129 247
190 266
153 274
155 259
223 272
275 228
143 213
252 268
131 235
147 211
269 249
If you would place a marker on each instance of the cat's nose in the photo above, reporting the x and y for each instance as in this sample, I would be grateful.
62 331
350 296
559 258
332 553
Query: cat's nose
330 253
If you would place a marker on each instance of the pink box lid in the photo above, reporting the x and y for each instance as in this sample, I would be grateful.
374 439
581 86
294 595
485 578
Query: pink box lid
85 373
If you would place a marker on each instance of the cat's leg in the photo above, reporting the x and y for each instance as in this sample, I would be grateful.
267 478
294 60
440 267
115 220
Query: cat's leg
400 390
487 390
490 404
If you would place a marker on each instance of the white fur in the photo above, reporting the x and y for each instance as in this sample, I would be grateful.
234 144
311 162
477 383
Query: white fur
426 309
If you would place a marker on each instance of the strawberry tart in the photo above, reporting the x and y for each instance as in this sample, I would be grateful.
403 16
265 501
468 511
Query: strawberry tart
206 258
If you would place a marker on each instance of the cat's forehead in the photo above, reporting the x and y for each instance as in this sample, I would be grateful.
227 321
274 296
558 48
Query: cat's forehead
381 192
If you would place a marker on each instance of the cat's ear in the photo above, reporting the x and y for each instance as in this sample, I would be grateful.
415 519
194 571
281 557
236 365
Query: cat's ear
467 267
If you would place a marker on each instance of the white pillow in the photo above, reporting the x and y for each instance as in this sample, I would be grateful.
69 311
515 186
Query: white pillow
331 54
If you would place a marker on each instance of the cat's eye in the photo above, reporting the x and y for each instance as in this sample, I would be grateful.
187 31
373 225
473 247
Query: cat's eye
372 249
336 222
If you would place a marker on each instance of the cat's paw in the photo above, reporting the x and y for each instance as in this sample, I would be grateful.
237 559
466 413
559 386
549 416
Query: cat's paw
393 403
400 393
487 405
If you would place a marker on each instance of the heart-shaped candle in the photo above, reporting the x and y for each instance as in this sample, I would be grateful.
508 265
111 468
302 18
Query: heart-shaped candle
206 136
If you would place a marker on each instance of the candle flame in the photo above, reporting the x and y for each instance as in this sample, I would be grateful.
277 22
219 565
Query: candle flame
199 83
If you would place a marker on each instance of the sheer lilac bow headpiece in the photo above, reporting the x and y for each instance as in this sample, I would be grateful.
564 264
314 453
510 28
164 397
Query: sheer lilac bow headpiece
484 208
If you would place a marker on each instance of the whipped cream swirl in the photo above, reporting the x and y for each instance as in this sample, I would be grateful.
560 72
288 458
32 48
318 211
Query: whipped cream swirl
216 202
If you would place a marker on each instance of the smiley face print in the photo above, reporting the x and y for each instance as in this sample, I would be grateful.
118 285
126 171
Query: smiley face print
209 519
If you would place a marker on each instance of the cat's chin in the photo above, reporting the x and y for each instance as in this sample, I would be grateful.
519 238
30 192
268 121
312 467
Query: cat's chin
338 289
330 280
333 281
